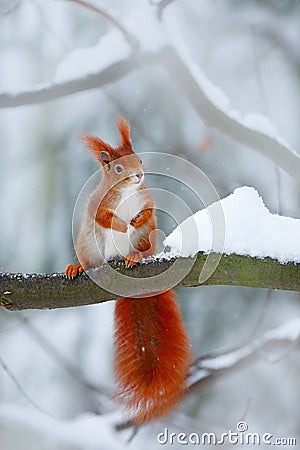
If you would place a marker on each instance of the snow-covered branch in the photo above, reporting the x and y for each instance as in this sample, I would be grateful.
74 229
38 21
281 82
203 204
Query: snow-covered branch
208 369
259 249
210 103
211 367
132 41
254 131
90 429
40 291
52 91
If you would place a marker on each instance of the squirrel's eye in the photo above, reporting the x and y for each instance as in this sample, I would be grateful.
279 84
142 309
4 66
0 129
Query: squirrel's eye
119 169
141 161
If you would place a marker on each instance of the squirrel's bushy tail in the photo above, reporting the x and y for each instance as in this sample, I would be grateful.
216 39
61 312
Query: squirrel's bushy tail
152 355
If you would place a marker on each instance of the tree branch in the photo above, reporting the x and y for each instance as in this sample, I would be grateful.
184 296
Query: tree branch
270 147
161 6
206 370
128 36
210 368
41 291
214 117
52 91
20 388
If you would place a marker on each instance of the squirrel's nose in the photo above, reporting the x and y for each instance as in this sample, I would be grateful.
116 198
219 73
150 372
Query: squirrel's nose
139 175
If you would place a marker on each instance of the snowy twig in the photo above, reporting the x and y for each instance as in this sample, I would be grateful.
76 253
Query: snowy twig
207 370
179 71
52 91
40 291
128 36
211 367
213 116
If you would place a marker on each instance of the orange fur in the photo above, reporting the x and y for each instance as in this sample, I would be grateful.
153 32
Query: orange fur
107 219
95 145
124 130
142 218
152 350
73 270
152 355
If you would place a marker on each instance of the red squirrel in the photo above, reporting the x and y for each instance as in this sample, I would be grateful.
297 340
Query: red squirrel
152 350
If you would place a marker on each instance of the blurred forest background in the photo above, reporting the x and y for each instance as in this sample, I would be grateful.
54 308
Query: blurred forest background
50 359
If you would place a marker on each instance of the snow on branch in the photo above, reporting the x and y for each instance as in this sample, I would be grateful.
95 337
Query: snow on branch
41 291
254 131
207 369
51 91
82 432
128 36
90 429
250 230
161 44
211 367
260 250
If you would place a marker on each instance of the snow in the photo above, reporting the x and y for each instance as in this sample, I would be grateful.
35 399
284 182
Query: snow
227 360
261 123
198 375
96 432
250 230
87 61
87 431
254 121
289 330
152 35
6 6
113 47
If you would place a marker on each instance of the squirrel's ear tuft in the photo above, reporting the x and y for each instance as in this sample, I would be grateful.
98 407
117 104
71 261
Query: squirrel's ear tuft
100 150
124 130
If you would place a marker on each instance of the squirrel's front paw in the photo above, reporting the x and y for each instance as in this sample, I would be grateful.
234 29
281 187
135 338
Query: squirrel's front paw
73 270
141 218
133 258
137 221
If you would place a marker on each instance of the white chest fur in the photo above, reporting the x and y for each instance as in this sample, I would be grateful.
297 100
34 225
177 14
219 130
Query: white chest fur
120 244
130 205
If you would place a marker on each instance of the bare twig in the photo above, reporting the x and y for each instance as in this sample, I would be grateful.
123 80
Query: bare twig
275 30
20 389
128 36
57 356
211 367
161 6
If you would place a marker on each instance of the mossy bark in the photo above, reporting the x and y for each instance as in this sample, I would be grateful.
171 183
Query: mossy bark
42 291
